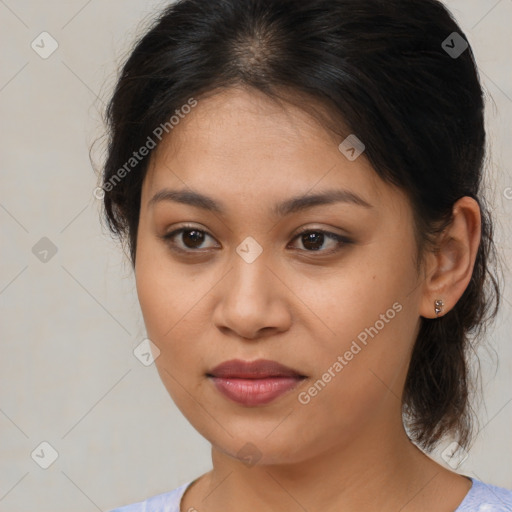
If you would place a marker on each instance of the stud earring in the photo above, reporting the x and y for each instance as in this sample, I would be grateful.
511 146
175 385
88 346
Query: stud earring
438 306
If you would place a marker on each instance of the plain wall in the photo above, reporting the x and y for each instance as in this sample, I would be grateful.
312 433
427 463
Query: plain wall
69 325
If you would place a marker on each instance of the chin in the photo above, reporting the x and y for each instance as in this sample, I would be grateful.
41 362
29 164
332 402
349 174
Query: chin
263 444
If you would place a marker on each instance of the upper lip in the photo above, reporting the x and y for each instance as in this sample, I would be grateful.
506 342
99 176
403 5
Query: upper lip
258 369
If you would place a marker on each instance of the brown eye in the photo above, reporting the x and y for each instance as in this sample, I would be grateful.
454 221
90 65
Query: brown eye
191 239
315 239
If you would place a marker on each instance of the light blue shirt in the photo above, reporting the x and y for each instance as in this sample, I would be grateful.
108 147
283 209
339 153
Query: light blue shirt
480 498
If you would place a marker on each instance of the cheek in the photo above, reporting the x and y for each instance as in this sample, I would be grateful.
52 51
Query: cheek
372 320
171 326
173 307
359 379
163 291
168 313
363 300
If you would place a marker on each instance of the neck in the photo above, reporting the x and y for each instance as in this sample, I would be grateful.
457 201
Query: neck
377 470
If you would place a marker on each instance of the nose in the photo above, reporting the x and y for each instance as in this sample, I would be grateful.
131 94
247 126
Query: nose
253 302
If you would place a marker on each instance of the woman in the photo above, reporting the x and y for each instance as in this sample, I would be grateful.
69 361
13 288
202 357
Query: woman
298 182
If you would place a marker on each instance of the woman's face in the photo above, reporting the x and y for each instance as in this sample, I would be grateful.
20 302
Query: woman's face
243 283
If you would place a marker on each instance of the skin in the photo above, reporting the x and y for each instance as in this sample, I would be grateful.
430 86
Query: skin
346 449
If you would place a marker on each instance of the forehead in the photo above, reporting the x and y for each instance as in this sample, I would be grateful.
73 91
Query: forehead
238 143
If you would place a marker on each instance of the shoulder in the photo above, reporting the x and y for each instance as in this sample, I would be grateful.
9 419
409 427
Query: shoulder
484 497
165 502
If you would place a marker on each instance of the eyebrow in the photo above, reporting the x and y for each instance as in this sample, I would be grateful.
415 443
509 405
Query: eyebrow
292 205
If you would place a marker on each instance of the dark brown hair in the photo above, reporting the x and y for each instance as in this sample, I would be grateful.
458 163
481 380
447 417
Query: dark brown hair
383 71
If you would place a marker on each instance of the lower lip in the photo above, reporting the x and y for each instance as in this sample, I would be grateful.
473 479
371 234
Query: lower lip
255 391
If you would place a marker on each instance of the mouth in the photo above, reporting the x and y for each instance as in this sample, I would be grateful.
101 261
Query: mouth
253 383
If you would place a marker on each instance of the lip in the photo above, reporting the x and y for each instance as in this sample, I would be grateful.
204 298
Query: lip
253 383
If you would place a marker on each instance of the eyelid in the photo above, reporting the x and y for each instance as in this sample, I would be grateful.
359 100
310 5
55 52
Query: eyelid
315 229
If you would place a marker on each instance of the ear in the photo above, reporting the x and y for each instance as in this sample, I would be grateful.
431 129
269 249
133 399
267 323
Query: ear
450 266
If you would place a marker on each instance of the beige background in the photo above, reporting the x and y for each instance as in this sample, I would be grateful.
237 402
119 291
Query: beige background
68 326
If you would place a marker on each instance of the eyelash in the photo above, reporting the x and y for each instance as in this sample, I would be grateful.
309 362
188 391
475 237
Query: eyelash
341 240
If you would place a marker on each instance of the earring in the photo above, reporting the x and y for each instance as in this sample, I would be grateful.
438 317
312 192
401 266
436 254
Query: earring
438 306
